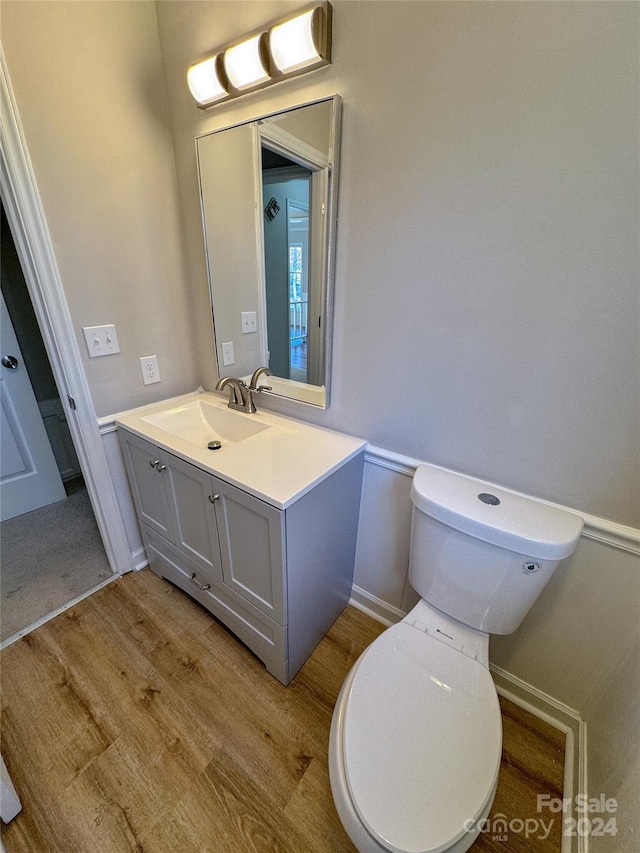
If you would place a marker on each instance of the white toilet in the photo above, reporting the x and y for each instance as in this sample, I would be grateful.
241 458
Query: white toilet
416 734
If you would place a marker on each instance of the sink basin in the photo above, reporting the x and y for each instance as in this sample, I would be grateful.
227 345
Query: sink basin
271 457
200 422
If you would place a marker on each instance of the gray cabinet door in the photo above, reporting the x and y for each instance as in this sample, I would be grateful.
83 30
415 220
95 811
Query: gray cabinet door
148 486
251 534
191 499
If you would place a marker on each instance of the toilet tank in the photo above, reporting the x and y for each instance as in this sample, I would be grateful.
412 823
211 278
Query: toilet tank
483 554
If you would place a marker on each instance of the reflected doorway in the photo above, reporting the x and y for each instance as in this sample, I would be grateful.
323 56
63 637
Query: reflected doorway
286 188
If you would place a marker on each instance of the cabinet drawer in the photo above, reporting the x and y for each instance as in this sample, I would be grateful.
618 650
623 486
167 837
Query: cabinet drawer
260 633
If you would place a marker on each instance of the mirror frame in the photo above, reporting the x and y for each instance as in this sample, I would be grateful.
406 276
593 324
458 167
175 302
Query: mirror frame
289 389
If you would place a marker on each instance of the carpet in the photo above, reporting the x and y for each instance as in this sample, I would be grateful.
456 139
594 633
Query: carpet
48 557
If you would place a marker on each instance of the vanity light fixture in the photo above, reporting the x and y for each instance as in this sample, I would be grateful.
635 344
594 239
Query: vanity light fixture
299 43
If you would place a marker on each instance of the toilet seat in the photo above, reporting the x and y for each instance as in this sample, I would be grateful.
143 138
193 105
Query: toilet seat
421 741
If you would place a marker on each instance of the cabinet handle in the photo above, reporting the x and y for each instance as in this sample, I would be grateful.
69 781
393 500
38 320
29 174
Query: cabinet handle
154 463
199 585
214 498
161 468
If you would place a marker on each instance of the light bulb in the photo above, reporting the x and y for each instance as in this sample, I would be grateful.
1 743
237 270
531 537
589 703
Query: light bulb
243 64
292 44
204 83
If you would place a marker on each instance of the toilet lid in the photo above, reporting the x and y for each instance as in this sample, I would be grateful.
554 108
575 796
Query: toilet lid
422 741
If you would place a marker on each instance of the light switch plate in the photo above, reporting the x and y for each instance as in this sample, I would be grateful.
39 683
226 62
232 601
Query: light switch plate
249 321
101 340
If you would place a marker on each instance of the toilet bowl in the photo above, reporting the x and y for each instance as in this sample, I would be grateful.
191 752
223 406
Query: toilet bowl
415 744
416 734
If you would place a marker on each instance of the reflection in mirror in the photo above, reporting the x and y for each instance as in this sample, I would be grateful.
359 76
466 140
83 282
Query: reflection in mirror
268 191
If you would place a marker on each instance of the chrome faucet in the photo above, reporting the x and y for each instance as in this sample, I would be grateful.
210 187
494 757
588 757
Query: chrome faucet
241 394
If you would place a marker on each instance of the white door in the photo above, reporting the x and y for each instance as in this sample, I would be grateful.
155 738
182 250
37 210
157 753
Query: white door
29 476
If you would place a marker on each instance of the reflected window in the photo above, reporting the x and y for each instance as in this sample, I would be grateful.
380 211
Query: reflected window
295 271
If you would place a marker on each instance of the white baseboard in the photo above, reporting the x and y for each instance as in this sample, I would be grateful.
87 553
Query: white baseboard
545 707
139 559
565 719
375 607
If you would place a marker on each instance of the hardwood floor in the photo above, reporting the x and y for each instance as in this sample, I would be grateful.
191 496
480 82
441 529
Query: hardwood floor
135 721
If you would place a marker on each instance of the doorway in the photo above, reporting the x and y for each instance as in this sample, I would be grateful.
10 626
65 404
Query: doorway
52 551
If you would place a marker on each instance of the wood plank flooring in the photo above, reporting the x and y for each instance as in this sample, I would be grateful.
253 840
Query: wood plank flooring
135 721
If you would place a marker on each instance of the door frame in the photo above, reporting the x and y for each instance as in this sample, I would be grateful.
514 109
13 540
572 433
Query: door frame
35 250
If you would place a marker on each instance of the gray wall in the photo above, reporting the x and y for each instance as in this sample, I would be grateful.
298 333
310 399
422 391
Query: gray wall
614 751
487 292
89 85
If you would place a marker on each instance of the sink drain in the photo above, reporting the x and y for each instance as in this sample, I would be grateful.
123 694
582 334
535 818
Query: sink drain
214 445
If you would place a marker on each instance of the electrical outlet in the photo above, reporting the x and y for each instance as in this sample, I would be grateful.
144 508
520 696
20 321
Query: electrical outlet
101 340
150 370
249 321
227 354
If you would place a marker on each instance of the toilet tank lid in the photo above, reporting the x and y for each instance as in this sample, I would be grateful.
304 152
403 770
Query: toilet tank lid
495 515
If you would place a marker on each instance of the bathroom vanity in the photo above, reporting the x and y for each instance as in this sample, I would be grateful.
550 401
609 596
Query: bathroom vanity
262 531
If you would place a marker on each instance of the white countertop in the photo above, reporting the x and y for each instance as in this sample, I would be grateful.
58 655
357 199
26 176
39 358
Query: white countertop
278 465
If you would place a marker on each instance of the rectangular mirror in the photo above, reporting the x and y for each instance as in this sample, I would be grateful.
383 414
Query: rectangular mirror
268 191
